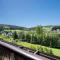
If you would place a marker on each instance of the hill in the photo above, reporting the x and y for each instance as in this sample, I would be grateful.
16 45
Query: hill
5 26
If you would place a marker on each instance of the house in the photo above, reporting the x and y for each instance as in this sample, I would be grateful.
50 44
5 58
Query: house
9 34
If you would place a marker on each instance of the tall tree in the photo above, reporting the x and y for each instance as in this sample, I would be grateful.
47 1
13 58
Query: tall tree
15 36
1 28
39 30
39 33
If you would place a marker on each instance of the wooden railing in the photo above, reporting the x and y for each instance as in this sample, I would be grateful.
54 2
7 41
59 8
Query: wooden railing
31 51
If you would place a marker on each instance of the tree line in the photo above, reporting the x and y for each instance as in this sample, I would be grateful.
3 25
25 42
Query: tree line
38 36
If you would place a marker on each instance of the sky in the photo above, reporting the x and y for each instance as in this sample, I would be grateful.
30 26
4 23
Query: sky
28 13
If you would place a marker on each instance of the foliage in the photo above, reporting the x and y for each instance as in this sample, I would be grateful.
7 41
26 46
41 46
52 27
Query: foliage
1 28
37 39
56 27
39 30
15 36
50 39
43 49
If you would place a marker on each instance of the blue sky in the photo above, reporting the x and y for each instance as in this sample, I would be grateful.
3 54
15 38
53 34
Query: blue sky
30 13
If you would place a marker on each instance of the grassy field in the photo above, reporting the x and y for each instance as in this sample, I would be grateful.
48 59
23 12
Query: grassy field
35 47
18 31
14 30
44 49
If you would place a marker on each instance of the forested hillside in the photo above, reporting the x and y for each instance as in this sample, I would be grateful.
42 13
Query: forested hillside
5 26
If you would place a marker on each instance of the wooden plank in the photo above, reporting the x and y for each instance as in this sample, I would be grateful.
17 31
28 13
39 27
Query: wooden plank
12 56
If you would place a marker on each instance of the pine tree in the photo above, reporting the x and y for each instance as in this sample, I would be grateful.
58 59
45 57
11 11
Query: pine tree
15 36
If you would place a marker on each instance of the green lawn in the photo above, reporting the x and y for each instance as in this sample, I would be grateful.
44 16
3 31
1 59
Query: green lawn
14 30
